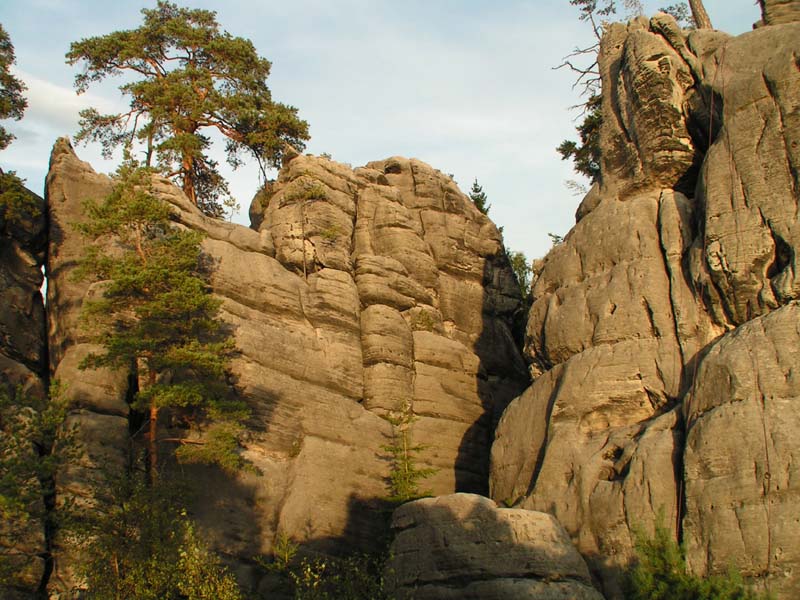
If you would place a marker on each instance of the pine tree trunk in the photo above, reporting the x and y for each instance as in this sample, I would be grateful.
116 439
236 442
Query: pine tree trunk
701 19
152 435
152 444
188 182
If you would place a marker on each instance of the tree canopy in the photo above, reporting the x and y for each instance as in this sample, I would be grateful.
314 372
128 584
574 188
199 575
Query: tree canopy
157 315
188 77
12 102
478 197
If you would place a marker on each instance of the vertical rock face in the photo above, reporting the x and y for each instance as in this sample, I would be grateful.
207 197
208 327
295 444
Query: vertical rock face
23 356
23 346
780 11
690 233
363 293
742 496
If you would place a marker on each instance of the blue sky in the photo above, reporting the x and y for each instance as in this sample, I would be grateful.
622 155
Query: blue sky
466 86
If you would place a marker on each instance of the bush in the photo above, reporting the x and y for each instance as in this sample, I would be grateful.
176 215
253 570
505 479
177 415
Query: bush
661 574
356 577
140 543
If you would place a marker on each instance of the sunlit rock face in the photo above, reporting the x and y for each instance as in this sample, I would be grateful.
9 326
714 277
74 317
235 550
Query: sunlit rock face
362 292
658 326
776 12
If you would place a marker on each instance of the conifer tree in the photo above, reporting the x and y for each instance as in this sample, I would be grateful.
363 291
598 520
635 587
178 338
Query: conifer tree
158 317
405 475
478 197
16 202
191 77
12 102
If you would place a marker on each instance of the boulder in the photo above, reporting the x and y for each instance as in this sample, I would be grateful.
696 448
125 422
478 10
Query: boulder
464 546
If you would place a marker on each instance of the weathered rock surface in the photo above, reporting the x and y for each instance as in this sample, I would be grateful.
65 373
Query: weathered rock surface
776 12
23 352
23 345
363 293
742 476
690 233
463 546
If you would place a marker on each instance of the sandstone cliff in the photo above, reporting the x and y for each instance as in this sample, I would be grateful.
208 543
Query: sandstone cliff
361 292
23 358
663 344
663 333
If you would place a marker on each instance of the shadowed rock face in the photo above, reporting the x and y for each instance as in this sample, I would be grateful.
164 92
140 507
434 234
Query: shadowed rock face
462 546
23 356
658 325
362 292
23 346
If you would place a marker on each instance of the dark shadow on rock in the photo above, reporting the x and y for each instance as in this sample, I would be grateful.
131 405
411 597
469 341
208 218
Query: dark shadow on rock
464 547
502 374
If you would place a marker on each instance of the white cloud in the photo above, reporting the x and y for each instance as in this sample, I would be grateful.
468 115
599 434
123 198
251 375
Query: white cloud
52 107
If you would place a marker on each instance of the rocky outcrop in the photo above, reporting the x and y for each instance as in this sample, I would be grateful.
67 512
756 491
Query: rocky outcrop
462 546
690 235
363 293
23 356
742 495
776 12
23 346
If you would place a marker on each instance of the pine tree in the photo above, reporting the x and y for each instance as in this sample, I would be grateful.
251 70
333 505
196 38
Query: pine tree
192 77
405 476
12 102
522 272
158 317
478 197
16 202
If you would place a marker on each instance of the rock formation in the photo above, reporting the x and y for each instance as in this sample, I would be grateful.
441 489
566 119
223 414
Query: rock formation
668 314
362 293
662 343
23 357
463 547
23 346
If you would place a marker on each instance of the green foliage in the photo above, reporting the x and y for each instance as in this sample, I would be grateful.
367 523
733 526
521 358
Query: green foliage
405 475
522 271
191 76
29 458
661 574
478 197
12 102
309 190
157 314
17 204
139 543
330 234
680 11
556 239
586 154
423 321
355 577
